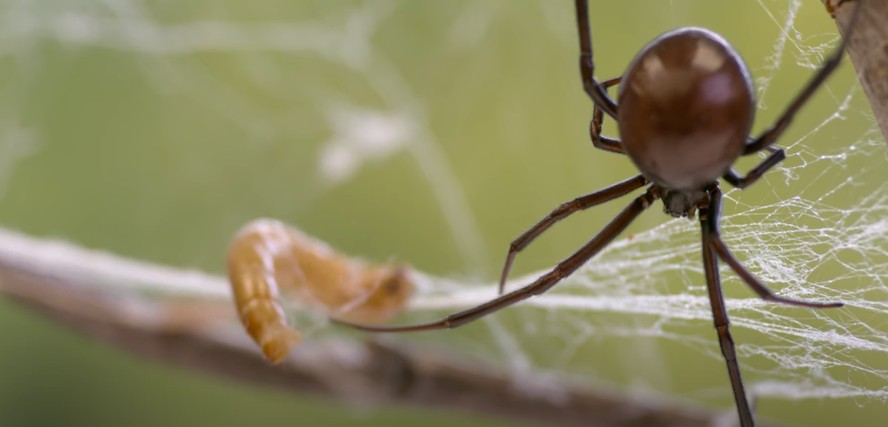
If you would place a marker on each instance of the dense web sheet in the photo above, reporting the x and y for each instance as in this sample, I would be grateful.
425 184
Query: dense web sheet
645 292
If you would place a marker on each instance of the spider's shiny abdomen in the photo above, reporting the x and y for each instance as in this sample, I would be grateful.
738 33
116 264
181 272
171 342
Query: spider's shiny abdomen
686 107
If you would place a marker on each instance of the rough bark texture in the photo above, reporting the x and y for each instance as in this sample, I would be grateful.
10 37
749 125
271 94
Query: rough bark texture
868 49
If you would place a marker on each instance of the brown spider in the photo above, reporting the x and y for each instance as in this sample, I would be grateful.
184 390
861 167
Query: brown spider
686 107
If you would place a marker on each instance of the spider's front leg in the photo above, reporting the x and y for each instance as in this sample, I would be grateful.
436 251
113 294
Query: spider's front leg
542 284
771 135
593 87
563 211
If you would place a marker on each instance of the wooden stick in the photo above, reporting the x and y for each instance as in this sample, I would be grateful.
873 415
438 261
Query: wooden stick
185 318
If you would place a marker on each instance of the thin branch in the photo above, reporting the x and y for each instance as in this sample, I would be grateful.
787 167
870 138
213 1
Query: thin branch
868 49
184 318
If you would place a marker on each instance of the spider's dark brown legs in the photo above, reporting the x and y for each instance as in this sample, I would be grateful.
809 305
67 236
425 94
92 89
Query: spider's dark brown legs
709 227
603 142
777 156
540 285
565 209
714 240
826 69
587 64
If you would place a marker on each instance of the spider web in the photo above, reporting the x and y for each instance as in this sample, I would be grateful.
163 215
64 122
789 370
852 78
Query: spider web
346 95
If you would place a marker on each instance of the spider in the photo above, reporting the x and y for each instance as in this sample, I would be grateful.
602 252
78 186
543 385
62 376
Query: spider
685 111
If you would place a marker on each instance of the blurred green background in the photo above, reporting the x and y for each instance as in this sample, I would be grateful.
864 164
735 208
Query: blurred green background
432 132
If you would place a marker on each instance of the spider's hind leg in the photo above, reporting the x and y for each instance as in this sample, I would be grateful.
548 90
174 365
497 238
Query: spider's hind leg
600 141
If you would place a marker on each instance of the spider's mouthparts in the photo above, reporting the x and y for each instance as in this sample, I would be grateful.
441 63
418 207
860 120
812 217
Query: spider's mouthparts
681 204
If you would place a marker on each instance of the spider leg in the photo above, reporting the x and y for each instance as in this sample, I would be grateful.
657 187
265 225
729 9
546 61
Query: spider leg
592 87
563 211
542 284
712 238
713 249
709 227
733 178
601 142
826 69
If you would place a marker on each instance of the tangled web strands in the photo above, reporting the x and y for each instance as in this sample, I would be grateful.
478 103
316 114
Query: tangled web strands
817 231
815 228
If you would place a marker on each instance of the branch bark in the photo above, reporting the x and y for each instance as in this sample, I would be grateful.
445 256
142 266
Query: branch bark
868 49
184 318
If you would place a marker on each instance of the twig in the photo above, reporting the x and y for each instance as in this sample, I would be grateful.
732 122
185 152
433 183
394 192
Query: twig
184 318
868 49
